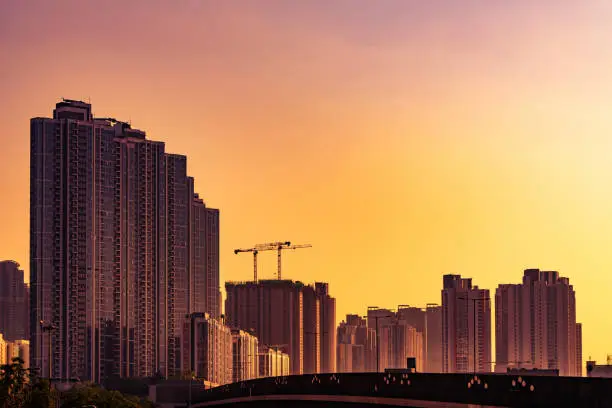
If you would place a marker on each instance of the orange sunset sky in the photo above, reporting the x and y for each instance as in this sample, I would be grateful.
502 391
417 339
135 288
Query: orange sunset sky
402 139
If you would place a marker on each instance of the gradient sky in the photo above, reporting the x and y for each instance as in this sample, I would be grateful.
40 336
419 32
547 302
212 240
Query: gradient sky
402 139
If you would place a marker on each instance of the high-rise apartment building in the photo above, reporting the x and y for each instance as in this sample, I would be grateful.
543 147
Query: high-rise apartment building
377 319
327 328
113 272
398 342
417 318
578 372
205 258
207 348
356 346
213 289
535 324
14 307
245 356
433 353
397 339
466 326
327 319
312 330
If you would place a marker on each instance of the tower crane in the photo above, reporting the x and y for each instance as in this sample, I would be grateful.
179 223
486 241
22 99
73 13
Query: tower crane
270 246
261 247
288 247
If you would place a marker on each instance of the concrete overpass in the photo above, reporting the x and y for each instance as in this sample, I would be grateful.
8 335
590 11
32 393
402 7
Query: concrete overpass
399 389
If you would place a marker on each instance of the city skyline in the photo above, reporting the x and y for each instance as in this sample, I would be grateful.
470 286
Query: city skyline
425 162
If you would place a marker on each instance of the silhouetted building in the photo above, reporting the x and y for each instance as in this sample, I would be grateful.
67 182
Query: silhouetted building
112 268
327 307
535 324
599 370
433 352
312 331
398 342
245 356
207 348
273 362
578 372
397 339
417 318
356 346
466 326
13 302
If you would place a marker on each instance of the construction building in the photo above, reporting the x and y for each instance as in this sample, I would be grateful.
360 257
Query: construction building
287 315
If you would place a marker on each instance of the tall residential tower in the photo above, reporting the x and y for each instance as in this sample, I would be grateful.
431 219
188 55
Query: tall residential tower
535 324
466 326
14 301
113 267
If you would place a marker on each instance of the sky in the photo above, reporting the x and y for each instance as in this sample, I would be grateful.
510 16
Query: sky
403 139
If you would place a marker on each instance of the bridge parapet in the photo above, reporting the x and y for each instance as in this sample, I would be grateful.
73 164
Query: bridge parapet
399 388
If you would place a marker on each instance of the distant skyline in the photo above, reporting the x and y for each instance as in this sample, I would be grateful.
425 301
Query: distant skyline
402 139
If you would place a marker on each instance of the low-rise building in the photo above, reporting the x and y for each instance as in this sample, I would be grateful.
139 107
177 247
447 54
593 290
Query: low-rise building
599 370
273 362
207 349
3 356
18 348
245 350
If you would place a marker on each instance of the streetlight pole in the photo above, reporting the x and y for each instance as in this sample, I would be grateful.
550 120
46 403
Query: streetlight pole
474 308
47 328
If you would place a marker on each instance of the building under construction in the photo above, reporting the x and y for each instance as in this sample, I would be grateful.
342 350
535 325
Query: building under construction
296 318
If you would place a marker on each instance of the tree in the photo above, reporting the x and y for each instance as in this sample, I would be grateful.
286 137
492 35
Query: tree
21 388
92 394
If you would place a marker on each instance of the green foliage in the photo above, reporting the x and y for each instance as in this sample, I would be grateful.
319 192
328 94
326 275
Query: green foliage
21 388
90 394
